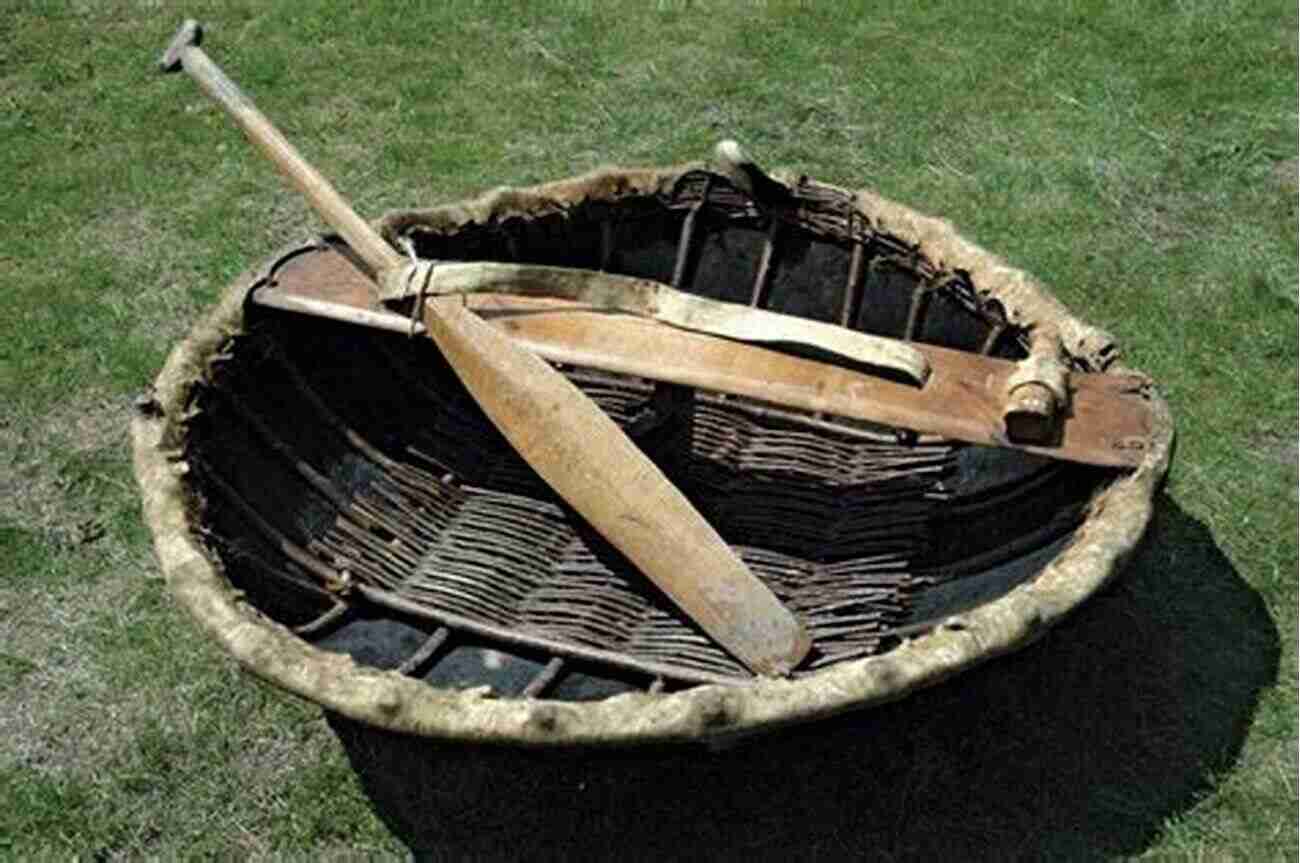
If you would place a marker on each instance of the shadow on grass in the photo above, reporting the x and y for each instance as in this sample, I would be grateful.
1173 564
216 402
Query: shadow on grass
1079 747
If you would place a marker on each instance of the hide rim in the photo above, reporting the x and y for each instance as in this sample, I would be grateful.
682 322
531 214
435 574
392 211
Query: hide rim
1115 522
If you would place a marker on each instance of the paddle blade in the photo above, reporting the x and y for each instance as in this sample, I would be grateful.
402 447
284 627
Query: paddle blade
590 462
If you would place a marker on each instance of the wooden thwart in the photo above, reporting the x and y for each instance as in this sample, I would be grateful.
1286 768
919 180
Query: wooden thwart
1107 422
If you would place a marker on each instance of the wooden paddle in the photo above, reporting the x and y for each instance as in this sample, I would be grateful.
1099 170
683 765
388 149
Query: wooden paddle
570 442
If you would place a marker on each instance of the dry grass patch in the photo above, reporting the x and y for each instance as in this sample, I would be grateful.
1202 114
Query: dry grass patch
55 490
1287 174
1280 447
63 716
42 487
1159 216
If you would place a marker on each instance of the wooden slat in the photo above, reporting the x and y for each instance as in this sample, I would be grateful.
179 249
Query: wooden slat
964 399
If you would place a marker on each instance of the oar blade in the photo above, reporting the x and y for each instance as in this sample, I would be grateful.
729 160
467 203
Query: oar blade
590 462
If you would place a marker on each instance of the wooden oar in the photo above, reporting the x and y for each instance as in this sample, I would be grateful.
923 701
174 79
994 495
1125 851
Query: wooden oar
570 442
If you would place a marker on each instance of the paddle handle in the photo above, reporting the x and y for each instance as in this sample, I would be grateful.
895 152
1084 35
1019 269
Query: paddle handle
184 52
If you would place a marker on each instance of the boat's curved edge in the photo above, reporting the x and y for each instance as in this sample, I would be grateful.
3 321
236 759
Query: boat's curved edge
607 184
389 700
1024 299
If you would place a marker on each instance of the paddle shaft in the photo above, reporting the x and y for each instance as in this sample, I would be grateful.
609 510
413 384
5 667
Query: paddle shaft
557 430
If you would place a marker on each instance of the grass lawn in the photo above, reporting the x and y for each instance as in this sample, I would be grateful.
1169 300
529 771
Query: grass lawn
1140 158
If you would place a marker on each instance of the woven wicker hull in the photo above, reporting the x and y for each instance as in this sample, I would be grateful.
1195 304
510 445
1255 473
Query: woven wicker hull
333 507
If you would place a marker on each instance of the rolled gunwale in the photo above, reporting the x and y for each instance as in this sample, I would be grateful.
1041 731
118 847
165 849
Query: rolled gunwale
1114 524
